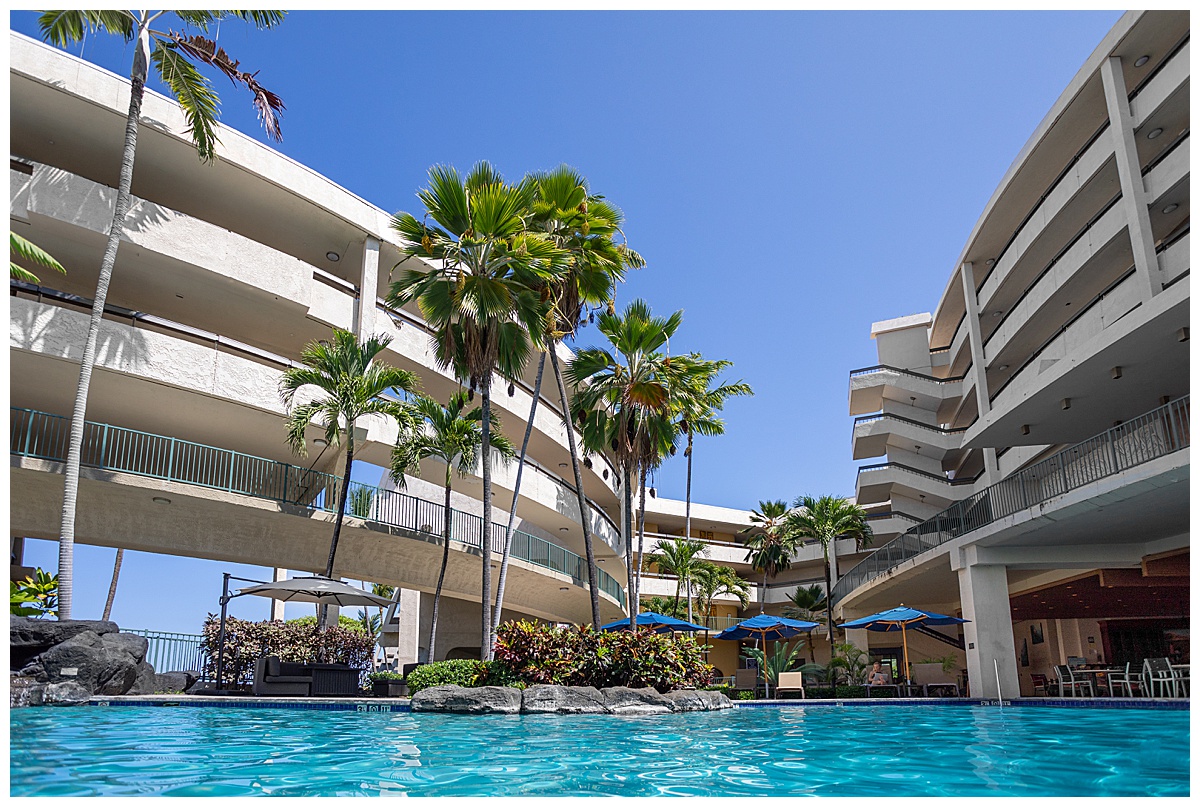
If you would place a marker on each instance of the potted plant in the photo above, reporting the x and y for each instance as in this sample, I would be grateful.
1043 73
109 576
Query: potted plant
387 684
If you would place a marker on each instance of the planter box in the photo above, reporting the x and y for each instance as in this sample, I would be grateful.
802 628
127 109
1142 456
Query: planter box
389 689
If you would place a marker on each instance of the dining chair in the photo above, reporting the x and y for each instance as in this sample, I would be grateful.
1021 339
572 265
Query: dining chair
1159 676
1127 681
1041 682
1067 682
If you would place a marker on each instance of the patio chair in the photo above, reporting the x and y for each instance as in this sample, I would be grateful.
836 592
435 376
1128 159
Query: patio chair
931 677
1041 682
1067 683
1127 681
1158 675
746 679
273 677
790 682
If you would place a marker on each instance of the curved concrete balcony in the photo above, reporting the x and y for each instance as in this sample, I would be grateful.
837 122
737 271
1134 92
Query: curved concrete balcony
875 483
1107 501
890 523
236 491
725 553
663 585
228 390
871 386
874 433
1170 80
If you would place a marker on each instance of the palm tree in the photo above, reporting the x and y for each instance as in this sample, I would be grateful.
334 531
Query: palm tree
174 56
382 590
827 519
32 253
804 603
454 438
354 385
769 543
622 401
713 580
583 226
680 558
480 298
699 406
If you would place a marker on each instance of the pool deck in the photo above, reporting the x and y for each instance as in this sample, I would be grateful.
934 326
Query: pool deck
404 704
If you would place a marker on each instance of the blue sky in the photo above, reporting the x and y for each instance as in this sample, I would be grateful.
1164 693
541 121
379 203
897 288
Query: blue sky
791 177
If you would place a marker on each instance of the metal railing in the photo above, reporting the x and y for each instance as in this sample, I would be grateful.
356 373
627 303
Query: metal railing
927 426
1155 434
881 368
174 651
114 448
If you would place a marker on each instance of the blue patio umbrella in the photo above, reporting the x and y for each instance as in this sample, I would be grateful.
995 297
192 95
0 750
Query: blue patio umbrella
766 626
899 619
658 623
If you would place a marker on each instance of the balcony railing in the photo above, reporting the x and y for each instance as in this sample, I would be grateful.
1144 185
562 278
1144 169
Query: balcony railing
113 448
927 426
884 368
1155 434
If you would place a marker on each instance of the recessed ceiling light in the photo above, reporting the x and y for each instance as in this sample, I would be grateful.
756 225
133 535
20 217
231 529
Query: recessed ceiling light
320 441
1003 367
991 261
333 256
1141 61
160 500
1171 208
997 313
1154 133
564 529
563 588
562 465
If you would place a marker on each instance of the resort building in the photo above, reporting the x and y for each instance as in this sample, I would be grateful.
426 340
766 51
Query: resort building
1030 438
226 272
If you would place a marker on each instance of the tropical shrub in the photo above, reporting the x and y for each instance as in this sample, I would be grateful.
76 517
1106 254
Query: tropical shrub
745 695
455 672
853 660
297 641
582 656
34 596
725 689
667 606
385 676
347 622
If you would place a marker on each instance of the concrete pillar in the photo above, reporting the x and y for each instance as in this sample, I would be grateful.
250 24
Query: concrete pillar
978 365
1133 189
277 605
983 591
412 646
368 289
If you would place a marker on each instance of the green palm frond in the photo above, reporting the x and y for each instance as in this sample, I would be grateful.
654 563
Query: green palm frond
31 252
195 94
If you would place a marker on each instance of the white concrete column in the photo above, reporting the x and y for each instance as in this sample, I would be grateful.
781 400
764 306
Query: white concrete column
368 289
983 591
411 645
1133 189
978 364
277 605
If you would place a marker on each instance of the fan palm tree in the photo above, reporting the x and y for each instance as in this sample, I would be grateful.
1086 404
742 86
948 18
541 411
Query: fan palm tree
481 298
713 580
770 546
804 603
699 406
27 250
622 401
584 226
352 385
825 520
455 438
680 558
174 56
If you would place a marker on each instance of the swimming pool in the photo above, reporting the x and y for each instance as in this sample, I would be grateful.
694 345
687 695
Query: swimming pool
809 750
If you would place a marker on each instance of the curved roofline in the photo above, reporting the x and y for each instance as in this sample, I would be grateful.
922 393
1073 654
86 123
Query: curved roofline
372 220
1090 66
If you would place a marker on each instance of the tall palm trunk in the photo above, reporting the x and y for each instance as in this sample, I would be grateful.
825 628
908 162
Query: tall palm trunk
627 525
66 541
512 511
437 594
584 520
112 587
829 611
762 594
687 515
485 543
641 536
343 497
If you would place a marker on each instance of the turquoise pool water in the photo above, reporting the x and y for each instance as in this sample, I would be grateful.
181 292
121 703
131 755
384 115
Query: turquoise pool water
814 750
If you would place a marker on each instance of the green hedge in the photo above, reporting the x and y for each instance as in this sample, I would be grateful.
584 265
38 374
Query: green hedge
463 673
581 656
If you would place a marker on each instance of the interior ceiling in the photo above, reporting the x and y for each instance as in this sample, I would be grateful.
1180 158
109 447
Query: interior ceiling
1106 594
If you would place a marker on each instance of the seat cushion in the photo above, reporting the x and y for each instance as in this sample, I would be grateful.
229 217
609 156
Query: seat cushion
272 665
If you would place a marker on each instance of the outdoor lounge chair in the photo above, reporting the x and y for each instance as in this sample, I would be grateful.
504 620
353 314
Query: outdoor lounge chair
1067 683
746 679
275 677
932 678
790 682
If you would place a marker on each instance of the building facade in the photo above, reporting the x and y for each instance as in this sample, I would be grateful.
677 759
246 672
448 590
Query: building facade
1032 433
